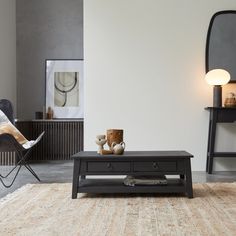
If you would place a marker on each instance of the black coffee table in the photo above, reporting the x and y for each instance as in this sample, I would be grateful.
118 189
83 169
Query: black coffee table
134 163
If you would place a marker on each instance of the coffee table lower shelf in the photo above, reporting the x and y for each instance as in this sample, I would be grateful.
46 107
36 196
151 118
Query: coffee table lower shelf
117 186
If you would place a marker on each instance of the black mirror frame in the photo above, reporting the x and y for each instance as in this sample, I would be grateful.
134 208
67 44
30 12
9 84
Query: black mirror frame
208 37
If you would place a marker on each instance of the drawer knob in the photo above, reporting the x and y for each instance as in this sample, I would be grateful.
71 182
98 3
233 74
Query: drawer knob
155 165
109 165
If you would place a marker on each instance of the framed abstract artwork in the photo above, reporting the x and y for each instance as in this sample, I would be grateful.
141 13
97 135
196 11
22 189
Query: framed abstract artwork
65 88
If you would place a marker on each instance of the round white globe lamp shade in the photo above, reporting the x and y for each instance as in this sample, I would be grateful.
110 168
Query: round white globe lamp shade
217 77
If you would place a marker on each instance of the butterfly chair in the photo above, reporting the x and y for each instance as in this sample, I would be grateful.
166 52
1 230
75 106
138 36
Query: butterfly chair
9 144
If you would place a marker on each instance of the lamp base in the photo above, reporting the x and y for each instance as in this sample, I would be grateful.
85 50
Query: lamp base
217 96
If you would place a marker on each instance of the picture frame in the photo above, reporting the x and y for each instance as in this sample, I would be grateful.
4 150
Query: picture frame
65 88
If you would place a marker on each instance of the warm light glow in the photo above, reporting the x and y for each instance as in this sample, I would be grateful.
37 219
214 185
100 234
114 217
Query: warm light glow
217 77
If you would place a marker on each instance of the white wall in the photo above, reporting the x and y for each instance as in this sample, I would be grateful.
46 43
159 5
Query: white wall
8 50
144 70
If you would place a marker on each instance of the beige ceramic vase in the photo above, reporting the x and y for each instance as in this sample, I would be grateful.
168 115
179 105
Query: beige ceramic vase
100 141
118 149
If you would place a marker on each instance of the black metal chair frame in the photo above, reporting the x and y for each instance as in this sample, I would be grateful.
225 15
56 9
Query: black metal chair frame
8 144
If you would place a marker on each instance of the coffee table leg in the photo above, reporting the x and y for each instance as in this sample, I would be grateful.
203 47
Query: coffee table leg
75 179
189 187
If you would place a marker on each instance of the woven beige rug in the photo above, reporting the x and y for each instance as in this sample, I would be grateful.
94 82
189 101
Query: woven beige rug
47 209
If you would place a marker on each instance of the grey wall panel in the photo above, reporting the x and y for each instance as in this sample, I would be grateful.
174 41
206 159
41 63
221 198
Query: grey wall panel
8 50
46 29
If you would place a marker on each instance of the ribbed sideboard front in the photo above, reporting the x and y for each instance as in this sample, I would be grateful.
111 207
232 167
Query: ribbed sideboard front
62 138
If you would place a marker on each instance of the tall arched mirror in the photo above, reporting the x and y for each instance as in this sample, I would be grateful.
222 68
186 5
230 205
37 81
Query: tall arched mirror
221 43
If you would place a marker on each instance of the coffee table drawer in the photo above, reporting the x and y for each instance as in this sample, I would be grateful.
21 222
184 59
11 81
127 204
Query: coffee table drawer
155 166
108 166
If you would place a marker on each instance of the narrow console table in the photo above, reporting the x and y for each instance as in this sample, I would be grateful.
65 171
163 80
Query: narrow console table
217 115
134 163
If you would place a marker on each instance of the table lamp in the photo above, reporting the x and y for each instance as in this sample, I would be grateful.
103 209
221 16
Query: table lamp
217 77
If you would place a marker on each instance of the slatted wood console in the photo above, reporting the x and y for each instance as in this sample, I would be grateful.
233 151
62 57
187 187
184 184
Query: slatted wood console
62 138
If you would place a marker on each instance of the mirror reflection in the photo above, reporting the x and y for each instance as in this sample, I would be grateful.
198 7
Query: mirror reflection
221 43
